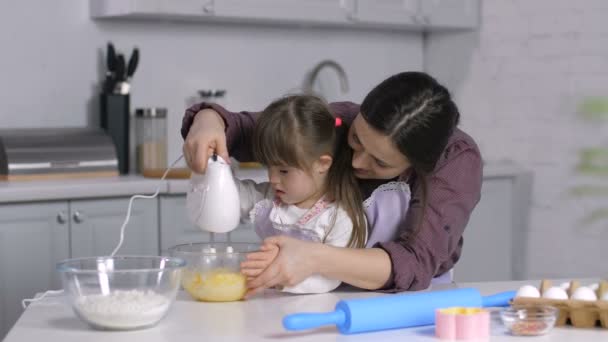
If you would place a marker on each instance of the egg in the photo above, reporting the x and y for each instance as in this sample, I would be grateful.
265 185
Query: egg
555 293
584 293
605 296
528 291
594 286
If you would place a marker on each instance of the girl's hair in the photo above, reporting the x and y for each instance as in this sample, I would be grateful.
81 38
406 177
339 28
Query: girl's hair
295 131
419 115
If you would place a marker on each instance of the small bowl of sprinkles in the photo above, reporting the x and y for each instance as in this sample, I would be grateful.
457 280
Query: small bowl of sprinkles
529 320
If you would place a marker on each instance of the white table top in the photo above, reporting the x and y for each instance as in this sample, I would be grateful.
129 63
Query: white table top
258 319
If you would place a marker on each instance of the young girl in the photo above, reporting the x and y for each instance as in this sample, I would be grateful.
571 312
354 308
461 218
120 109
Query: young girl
312 193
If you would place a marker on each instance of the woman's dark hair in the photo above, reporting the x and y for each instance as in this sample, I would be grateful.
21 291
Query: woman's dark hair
297 130
419 115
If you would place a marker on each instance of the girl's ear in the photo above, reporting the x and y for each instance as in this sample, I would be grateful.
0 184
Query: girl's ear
323 164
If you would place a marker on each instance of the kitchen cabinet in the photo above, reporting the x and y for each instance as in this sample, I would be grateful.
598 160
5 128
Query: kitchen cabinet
176 228
328 12
391 13
495 238
33 237
414 15
118 8
95 227
449 14
428 15
264 11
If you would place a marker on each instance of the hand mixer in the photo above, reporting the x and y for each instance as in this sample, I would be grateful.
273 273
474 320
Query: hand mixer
213 202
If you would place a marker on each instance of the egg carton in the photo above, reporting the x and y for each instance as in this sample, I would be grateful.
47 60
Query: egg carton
578 313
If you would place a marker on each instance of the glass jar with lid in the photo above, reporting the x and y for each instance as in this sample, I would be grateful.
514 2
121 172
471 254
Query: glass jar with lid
151 138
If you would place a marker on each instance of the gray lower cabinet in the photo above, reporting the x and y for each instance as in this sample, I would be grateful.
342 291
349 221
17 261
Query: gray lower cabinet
33 237
495 237
95 227
487 236
175 227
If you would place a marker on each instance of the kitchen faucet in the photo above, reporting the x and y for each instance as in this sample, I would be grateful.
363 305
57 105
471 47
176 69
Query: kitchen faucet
312 76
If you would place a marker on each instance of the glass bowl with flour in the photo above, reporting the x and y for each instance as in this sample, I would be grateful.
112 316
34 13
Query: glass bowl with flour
121 292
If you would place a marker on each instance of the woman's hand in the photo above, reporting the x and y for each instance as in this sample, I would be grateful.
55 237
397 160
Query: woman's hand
205 137
258 261
295 262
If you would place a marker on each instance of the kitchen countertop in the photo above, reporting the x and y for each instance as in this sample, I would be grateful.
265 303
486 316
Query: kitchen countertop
28 191
121 186
258 319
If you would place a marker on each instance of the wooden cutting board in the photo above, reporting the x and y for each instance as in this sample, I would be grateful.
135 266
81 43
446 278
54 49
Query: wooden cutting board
184 172
58 176
178 173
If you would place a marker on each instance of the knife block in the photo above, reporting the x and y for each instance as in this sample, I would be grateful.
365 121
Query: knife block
115 118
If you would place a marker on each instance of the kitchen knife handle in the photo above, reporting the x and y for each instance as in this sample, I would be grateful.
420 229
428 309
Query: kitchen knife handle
120 68
133 62
111 57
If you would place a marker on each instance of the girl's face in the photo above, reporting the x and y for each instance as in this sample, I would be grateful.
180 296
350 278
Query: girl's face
375 156
299 187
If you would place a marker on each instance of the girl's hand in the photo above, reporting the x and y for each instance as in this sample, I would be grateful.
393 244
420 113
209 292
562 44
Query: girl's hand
258 261
295 262
205 137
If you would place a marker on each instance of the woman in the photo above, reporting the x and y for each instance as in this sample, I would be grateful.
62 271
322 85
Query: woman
405 130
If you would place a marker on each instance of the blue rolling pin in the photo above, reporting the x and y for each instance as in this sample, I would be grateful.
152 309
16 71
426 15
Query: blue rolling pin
393 311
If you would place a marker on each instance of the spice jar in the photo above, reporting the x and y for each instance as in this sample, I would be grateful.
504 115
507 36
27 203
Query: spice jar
151 138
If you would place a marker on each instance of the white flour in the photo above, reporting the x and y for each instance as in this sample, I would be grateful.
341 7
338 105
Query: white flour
122 309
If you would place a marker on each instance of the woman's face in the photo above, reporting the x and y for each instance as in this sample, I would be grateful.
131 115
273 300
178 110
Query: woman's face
375 155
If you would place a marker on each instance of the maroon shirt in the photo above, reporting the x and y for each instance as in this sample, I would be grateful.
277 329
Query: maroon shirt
454 189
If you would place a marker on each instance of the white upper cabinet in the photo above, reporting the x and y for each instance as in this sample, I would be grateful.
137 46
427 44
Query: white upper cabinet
298 11
184 8
401 13
415 15
450 14
122 9
324 12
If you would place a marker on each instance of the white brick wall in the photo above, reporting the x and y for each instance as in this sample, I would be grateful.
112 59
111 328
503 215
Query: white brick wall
519 85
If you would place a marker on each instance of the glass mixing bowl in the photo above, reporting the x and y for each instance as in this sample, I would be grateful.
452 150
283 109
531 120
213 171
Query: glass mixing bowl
529 320
212 271
122 292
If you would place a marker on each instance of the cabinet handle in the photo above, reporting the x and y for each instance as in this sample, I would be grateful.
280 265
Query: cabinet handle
62 218
350 9
208 8
78 217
